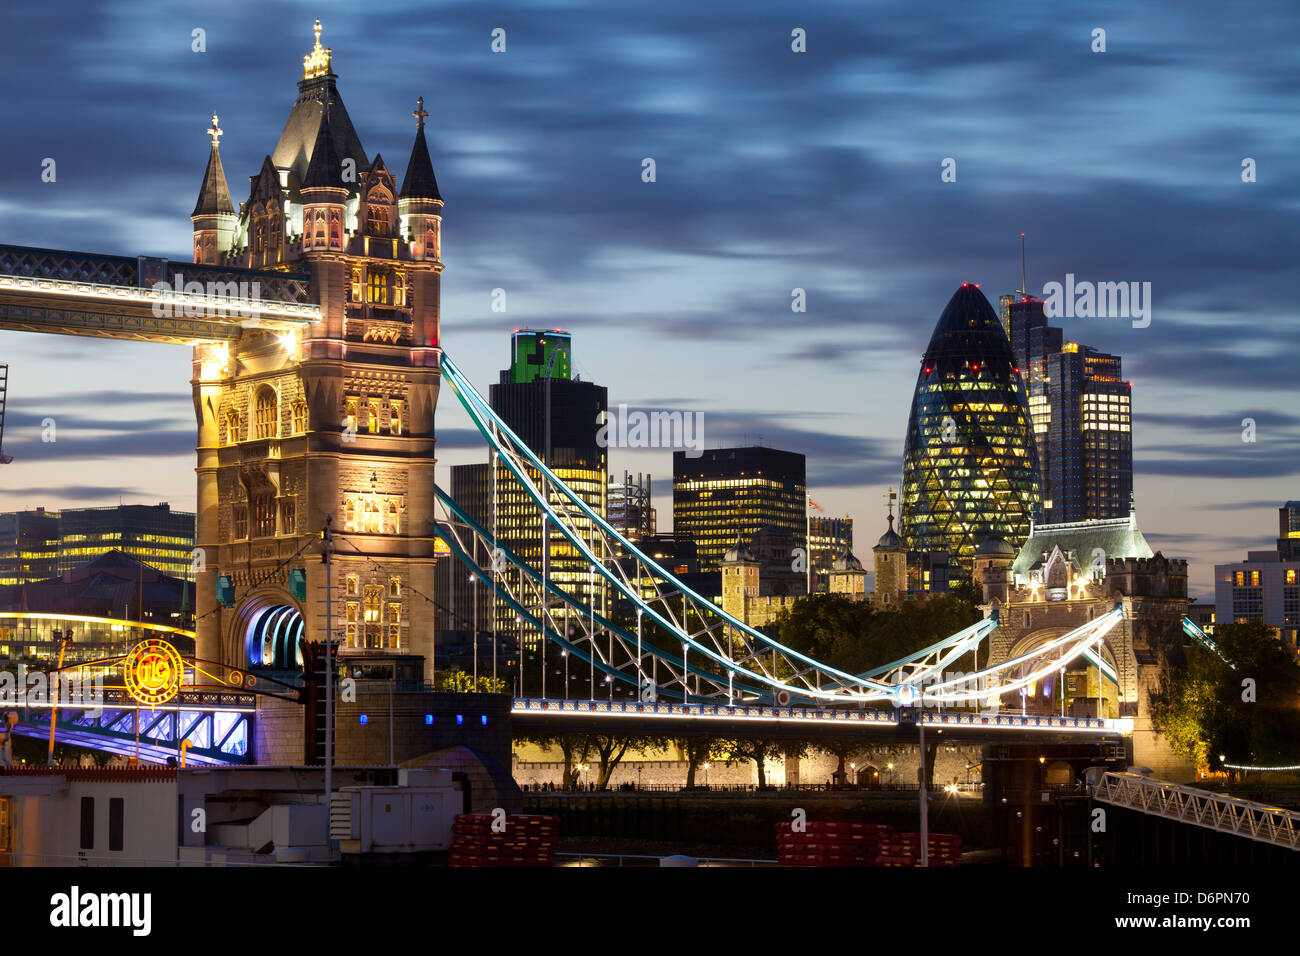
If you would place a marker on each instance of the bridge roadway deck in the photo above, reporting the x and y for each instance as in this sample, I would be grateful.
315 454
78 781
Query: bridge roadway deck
659 717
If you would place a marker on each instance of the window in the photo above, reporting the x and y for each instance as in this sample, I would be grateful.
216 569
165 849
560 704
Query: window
350 416
352 612
1241 578
394 613
379 223
373 595
355 295
263 516
87 823
352 584
1254 579
264 414
116 816
378 287
399 288
390 518
299 417
1290 576
394 587
372 416
395 417
336 231
288 524
239 515
350 519
371 522
232 426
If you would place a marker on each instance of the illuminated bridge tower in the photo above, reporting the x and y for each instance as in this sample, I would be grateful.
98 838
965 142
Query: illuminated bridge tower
338 421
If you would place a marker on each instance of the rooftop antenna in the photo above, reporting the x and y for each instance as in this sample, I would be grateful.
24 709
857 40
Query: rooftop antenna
1024 286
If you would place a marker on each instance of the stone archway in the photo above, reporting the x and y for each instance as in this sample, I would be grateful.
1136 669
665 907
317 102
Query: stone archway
267 630
1087 692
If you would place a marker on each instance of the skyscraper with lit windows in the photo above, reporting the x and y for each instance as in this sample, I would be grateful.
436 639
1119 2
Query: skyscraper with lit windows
970 468
1082 413
725 493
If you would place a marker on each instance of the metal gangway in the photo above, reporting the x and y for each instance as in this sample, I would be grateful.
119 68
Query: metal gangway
1213 811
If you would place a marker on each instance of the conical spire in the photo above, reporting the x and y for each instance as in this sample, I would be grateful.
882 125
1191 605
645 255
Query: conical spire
419 181
214 194
324 168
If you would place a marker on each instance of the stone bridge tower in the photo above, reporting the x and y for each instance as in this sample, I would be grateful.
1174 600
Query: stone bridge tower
1069 574
337 421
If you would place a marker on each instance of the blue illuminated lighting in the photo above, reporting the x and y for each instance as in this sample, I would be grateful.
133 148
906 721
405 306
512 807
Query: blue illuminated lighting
365 719
428 720
460 718
484 720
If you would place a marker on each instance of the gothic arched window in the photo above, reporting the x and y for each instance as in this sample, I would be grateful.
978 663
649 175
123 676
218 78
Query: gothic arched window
265 413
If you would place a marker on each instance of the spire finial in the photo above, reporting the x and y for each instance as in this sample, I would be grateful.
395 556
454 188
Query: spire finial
317 62
214 131
419 113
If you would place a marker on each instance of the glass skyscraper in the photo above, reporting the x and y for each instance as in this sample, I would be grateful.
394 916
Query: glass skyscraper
970 468
1082 413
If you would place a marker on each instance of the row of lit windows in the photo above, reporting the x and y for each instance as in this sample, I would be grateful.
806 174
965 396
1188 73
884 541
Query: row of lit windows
391 409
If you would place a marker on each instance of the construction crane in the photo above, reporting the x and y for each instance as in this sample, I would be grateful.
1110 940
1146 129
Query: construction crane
4 388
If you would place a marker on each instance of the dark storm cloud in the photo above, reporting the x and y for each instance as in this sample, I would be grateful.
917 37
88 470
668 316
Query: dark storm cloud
79 493
73 445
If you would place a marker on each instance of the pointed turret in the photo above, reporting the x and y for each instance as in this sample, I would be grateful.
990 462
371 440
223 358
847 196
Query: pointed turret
324 193
420 203
419 181
214 214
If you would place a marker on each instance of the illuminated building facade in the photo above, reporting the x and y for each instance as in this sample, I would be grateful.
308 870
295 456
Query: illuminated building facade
1066 575
101 606
1266 586
29 546
36 545
970 468
153 534
1083 417
558 418
828 539
730 493
337 421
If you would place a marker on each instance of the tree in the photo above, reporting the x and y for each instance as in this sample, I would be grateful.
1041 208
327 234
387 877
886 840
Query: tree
697 750
759 750
457 681
574 749
841 748
610 748
1247 710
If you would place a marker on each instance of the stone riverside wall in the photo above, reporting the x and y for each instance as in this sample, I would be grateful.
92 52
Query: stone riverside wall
536 765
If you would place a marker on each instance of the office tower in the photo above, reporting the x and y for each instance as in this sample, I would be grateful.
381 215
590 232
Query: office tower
730 493
29 546
970 468
37 545
829 539
558 418
1082 413
1266 585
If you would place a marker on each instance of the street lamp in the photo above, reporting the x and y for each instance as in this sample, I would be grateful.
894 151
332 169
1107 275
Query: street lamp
565 655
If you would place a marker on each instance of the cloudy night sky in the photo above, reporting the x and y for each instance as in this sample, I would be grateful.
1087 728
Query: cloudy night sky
775 170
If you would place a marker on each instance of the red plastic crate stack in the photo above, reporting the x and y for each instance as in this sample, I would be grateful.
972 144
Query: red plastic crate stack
527 840
904 849
830 843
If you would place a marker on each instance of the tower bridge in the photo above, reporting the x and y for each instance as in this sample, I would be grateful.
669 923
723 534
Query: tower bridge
313 312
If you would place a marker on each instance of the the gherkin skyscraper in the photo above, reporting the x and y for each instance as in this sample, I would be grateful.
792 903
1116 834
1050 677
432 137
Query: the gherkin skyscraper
970 470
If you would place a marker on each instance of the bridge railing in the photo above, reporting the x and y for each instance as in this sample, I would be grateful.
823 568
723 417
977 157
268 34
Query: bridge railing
1225 814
